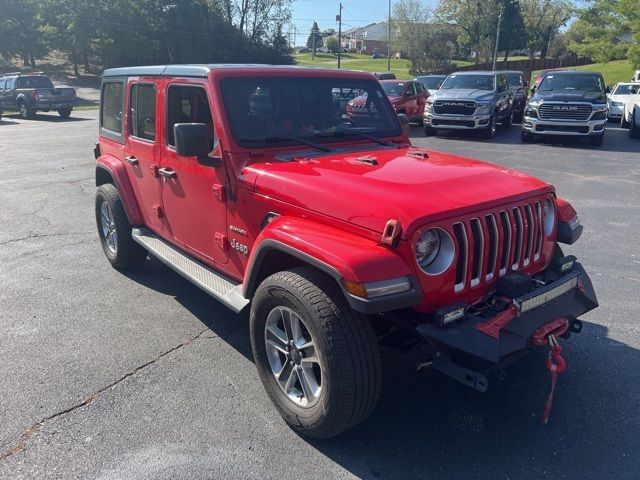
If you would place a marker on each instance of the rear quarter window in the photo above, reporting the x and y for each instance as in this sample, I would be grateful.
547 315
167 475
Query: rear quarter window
111 108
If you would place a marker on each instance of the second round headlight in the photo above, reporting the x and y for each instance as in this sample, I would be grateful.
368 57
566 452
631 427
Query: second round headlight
434 251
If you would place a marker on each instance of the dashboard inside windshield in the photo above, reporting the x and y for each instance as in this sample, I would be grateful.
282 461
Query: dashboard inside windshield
266 111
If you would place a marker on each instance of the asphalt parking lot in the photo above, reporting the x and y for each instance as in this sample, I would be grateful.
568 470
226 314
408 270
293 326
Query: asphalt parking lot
143 376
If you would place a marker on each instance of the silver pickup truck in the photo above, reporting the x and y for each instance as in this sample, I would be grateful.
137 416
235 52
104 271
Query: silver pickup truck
29 93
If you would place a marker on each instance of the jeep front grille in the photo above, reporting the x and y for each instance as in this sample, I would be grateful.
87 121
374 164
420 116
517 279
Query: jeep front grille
446 107
563 111
490 245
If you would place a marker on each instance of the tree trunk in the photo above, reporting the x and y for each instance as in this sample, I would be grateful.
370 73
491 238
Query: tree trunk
506 55
32 60
25 59
87 67
74 60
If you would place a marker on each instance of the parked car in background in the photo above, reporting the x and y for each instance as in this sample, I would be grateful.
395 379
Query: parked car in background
407 97
470 101
378 55
619 95
636 76
518 85
33 92
431 82
569 103
627 109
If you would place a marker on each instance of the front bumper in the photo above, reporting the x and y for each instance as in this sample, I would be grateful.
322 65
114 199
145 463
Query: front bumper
515 337
564 128
457 122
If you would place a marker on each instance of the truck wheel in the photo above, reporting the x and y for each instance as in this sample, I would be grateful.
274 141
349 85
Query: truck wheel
114 230
64 112
508 120
317 359
25 111
429 130
596 140
623 122
526 137
490 131
634 131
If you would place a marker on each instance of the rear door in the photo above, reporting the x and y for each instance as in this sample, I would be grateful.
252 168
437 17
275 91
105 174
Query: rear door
193 195
141 148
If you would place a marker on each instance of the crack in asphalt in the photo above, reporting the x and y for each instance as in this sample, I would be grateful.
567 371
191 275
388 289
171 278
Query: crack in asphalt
34 429
44 235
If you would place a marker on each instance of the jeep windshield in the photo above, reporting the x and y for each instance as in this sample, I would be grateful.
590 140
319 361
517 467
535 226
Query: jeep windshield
269 111
571 81
468 82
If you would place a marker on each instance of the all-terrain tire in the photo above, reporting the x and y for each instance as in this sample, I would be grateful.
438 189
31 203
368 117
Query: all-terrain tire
346 347
26 112
508 121
118 245
526 137
491 131
64 112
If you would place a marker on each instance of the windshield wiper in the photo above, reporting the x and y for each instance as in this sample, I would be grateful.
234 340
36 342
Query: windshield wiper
279 138
344 133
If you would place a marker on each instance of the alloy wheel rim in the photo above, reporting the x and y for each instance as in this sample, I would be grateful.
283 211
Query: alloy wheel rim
108 228
293 357
23 110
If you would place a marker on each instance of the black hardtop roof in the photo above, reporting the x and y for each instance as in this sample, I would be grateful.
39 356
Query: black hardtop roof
202 70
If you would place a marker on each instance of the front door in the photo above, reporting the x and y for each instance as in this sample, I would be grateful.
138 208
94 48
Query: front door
141 149
192 194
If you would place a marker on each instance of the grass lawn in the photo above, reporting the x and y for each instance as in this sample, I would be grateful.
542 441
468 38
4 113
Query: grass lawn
358 61
613 72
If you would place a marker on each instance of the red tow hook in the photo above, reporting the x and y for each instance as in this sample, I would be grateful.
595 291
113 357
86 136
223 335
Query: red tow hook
556 364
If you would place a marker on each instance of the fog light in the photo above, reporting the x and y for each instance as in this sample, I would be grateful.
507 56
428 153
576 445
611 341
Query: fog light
564 264
451 314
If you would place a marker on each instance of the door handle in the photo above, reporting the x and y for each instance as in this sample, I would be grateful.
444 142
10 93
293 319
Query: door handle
131 160
167 172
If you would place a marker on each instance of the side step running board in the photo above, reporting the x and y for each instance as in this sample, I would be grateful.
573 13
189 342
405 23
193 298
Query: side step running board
221 288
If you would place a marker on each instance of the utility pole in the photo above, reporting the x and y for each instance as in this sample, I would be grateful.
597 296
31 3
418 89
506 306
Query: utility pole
339 19
313 48
389 38
495 50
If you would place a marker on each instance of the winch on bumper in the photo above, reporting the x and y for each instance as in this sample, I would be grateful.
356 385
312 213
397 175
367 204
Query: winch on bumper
502 329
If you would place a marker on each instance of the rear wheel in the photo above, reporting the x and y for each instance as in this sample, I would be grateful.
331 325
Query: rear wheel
25 110
318 360
114 230
429 130
64 112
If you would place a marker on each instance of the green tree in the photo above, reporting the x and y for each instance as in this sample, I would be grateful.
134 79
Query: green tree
22 31
314 34
332 44
512 36
542 20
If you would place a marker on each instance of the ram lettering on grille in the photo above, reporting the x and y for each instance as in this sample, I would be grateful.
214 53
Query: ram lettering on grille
488 246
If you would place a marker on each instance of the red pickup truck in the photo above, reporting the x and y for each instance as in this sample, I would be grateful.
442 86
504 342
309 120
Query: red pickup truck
408 97
338 235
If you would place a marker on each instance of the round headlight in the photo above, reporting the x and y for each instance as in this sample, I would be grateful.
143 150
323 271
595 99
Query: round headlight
549 216
434 251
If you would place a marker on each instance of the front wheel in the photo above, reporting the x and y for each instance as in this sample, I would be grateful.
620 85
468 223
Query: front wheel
526 137
114 230
318 360
491 130
64 112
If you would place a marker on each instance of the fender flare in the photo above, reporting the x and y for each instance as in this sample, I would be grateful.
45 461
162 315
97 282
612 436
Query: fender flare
339 254
114 168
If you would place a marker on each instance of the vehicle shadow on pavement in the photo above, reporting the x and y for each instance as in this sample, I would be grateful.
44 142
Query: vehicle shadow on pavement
44 117
429 426
616 139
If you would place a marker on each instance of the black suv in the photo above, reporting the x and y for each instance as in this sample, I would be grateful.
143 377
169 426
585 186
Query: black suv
519 86
28 93
567 103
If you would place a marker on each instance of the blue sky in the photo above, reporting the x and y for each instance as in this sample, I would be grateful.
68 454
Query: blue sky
355 13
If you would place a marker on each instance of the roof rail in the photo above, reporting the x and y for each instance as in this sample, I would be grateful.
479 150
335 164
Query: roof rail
21 73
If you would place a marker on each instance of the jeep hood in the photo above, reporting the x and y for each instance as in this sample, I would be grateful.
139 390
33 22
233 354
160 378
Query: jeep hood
368 188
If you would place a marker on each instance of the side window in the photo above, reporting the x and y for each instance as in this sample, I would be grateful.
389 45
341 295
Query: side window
188 104
142 111
502 83
2 83
111 107
411 90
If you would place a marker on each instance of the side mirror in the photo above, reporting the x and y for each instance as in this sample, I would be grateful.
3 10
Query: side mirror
608 89
406 125
192 140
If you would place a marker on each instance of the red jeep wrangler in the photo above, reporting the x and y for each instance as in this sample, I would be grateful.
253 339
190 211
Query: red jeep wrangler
255 184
